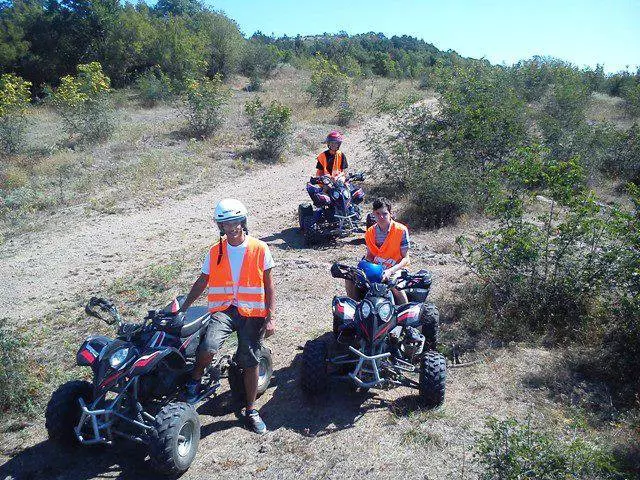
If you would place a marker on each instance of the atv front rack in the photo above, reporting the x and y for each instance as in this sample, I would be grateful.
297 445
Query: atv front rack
368 364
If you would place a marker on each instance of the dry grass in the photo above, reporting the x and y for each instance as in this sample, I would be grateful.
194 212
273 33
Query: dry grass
148 157
604 108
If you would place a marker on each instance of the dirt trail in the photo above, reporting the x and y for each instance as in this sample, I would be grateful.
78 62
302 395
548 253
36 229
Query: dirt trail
340 435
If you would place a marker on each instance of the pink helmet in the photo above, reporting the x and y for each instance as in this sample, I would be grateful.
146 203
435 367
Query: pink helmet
334 136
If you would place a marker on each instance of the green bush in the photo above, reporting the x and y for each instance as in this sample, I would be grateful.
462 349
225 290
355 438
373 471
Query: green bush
571 274
510 450
346 113
155 86
631 95
14 101
204 101
270 126
16 395
628 155
83 103
328 83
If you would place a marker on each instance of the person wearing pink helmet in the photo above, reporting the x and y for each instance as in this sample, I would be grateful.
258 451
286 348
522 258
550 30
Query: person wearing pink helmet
332 162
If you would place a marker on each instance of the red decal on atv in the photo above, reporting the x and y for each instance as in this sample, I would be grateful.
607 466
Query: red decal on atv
340 308
410 312
144 360
186 342
364 329
383 331
110 380
87 356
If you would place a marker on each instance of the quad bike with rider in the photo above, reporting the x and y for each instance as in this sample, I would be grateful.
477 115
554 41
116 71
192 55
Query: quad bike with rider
138 385
377 344
336 212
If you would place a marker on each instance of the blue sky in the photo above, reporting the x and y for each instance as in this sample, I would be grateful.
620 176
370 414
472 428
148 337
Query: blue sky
583 32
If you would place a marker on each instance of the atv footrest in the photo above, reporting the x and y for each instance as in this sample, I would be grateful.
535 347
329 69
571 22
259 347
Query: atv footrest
365 362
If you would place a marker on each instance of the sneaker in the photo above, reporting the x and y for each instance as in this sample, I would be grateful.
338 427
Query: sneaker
192 391
254 422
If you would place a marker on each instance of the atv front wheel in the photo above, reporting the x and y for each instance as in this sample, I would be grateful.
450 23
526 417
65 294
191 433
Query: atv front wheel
430 320
174 442
265 372
313 375
433 375
63 410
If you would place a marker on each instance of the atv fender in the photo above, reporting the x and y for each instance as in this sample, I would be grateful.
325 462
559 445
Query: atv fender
91 349
147 362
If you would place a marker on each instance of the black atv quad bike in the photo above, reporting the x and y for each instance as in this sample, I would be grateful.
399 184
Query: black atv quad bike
138 385
339 219
379 344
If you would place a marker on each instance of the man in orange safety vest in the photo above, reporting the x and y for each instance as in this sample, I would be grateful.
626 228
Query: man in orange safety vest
237 275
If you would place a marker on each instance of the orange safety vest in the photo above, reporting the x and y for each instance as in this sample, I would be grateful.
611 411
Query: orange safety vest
389 253
335 168
249 291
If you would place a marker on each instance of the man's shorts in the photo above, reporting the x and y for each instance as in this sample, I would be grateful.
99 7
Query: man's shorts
250 331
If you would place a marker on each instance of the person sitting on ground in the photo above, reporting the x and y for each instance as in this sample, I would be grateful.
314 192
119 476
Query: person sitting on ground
237 273
387 245
332 162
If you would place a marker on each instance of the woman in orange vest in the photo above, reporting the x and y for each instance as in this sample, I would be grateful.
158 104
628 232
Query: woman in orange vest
387 245
237 275
331 162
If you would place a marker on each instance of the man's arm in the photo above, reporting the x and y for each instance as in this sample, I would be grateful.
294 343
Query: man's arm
196 290
270 301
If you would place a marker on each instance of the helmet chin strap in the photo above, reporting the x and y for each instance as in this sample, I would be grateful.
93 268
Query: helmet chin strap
222 235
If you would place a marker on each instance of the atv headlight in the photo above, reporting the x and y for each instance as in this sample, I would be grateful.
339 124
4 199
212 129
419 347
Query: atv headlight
118 358
384 311
336 194
365 309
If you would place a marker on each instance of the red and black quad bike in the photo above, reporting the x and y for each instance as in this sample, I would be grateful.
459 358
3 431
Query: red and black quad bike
378 344
138 385
340 217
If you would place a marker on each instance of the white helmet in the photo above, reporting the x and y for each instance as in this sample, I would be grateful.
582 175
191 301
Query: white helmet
229 209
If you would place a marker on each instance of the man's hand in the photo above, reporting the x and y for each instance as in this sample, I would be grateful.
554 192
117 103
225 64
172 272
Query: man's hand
386 275
269 325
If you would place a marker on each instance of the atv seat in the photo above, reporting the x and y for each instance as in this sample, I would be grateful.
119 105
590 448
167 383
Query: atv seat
195 318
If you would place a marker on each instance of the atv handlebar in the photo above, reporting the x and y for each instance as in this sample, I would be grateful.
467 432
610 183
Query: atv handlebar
401 282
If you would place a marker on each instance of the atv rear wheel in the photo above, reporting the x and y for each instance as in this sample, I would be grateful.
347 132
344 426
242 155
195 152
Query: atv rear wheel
433 375
174 443
305 216
313 374
63 410
265 372
430 320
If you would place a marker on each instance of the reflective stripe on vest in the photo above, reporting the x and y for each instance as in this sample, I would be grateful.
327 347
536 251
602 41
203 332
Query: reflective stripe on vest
389 253
248 293
336 167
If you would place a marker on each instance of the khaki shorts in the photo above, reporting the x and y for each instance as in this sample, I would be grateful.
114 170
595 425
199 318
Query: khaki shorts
250 332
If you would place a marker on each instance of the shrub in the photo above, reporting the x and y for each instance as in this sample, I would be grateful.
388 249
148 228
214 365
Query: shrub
328 83
154 86
270 127
204 101
628 155
15 379
346 113
14 100
631 96
510 450
83 103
